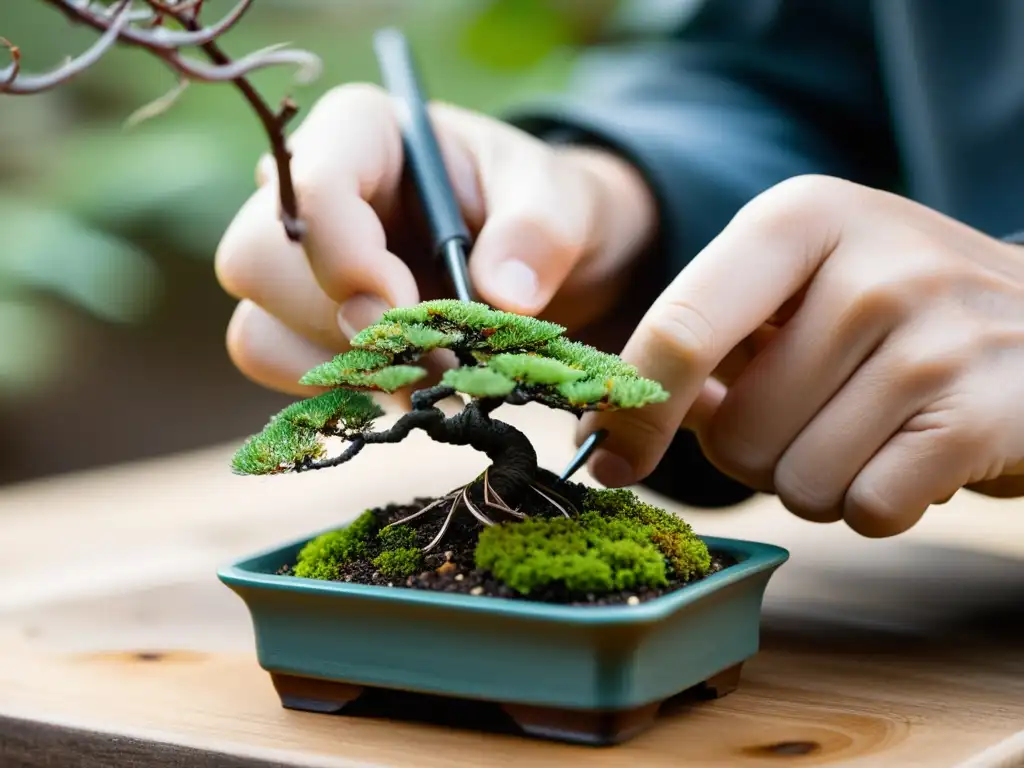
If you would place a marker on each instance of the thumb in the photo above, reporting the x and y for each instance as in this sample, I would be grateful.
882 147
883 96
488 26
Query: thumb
541 223
549 213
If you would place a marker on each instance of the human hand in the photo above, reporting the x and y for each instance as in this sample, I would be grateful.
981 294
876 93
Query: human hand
877 358
555 229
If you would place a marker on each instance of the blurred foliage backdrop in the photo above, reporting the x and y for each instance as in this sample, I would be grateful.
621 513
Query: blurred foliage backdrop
111 321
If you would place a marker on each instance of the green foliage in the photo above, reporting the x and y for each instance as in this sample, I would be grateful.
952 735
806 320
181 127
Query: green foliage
687 555
354 410
291 436
515 355
578 355
635 392
590 554
321 557
478 382
336 371
276 449
533 369
399 563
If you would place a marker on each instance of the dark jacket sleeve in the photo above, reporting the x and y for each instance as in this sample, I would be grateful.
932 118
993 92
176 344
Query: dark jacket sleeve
744 95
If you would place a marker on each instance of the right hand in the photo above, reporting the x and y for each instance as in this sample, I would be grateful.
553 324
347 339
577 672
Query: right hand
555 230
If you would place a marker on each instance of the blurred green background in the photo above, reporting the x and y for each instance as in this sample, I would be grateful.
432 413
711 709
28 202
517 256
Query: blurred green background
111 320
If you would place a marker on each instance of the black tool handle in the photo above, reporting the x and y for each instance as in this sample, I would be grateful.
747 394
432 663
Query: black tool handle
450 236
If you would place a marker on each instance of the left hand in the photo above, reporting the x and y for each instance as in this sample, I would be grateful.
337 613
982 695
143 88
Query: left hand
889 365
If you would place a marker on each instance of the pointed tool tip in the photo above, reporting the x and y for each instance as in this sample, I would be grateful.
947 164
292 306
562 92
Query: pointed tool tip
584 453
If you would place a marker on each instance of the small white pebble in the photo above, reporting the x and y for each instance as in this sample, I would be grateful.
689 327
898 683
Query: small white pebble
633 600
391 584
476 591
459 577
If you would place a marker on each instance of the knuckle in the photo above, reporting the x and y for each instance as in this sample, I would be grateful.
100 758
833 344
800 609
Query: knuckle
683 332
864 503
805 499
794 202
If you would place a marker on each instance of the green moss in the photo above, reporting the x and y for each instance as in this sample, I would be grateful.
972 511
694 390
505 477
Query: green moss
687 554
617 543
322 556
399 563
396 537
588 554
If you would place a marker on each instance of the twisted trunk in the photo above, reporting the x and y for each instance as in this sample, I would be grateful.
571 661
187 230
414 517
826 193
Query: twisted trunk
513 458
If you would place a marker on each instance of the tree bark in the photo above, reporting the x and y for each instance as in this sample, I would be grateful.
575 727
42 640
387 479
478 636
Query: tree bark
513 458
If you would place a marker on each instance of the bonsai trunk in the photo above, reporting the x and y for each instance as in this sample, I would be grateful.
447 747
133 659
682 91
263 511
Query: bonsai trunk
513 458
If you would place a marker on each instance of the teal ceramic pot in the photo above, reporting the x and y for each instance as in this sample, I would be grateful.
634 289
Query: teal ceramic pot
591 674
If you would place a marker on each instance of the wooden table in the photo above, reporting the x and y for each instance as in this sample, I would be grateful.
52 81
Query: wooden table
118 646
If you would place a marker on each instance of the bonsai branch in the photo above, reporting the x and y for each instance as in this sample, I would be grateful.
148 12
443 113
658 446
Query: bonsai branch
167 44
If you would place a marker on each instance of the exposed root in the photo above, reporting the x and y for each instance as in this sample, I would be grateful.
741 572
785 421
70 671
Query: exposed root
473 510
447 521
427 508
551 501
491 499
500 503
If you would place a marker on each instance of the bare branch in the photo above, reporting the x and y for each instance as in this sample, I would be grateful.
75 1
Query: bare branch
166 44
275 55
20 83
8 73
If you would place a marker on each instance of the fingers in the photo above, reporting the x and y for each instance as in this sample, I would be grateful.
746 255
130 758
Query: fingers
743 278
549 215
815 473
257 262
840 324
910 473
346 165
269 353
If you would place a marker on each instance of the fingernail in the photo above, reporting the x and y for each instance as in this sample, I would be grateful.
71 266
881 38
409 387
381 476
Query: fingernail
360 311
611 470
517 283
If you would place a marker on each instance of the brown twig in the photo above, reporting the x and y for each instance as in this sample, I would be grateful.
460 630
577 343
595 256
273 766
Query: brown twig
114 22
15 81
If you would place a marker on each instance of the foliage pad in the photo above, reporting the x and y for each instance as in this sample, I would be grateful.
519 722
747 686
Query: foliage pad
511 357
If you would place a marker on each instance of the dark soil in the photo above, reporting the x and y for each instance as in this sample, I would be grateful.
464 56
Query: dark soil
450 567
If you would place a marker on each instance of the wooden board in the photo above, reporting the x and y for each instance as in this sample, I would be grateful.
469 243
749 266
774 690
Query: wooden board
119 647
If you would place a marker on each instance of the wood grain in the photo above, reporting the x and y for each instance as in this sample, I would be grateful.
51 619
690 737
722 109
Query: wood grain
118 647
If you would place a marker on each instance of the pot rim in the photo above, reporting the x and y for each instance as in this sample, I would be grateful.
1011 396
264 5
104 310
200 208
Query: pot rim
754 558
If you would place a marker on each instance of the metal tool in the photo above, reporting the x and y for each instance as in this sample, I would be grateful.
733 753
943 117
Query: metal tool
451 239
423 156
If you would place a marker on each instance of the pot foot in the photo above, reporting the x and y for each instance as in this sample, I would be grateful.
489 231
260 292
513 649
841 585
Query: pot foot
312 695
725 682
583 727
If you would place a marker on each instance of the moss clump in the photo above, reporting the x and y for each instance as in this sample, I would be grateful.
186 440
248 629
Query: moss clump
687 555
321 557
396 537
588 554
391 549
617 543
399 563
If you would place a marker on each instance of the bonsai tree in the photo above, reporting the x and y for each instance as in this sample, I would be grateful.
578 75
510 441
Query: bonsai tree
531 530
